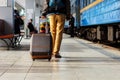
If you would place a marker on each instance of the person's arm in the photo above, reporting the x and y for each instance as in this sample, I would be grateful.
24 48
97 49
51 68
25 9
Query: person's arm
45 7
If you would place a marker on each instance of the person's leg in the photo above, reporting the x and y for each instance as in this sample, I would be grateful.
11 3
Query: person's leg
59 33
72 31
52 19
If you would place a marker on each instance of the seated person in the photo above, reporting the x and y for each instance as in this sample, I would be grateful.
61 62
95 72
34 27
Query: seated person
31 27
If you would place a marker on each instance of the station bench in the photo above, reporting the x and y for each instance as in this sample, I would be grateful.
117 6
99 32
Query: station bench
11 40
14 39
9 37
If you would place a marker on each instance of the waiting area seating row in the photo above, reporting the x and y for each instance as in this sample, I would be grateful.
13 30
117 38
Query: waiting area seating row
11 40
14 40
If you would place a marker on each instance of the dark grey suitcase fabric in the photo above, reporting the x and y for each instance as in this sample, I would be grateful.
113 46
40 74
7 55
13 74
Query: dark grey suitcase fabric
40 46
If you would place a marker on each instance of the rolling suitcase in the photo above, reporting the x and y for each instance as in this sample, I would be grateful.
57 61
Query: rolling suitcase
41 46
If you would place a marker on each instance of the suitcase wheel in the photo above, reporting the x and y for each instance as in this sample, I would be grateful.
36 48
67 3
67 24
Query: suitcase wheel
33 59
49 59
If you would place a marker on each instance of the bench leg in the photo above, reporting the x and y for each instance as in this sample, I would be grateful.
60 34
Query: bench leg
8 47
12 42
20 38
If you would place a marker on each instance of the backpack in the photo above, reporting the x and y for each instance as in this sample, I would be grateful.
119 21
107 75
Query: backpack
56 5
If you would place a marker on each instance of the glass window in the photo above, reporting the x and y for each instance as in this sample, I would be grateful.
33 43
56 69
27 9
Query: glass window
84 3
81 4
91 1
88 2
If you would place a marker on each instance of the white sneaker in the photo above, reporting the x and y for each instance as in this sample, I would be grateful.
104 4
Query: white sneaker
53 58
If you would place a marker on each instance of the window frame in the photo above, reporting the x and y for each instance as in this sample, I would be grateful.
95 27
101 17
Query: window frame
90 5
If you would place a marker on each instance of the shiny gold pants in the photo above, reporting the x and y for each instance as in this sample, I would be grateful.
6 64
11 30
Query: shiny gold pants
56 28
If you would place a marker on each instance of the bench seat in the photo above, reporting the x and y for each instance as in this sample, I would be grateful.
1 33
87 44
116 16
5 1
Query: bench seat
14 39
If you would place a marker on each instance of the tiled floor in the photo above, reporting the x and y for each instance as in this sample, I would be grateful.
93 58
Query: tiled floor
82 60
